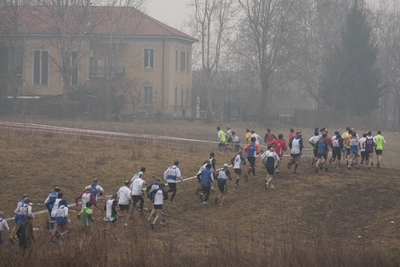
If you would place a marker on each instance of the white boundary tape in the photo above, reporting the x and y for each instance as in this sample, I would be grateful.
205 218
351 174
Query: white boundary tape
73 204
114 135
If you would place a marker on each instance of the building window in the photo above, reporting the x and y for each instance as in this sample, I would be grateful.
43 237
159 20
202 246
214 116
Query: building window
148 95
40 67
74 68
187 62
11 60
182 96
183 61
176 96
177 60
187 97
148 62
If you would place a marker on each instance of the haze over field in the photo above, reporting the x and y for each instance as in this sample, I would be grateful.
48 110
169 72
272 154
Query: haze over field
174 12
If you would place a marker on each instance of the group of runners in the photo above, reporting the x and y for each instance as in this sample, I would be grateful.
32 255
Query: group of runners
356 150
117 205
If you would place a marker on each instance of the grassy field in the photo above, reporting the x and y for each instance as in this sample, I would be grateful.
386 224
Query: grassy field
340 218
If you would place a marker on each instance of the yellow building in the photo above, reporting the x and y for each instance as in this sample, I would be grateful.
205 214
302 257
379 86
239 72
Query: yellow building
133 61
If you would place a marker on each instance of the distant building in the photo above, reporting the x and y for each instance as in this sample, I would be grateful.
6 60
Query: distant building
145 64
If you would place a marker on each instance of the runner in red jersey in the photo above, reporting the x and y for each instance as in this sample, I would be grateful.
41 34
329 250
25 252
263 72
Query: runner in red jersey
280 147
291 134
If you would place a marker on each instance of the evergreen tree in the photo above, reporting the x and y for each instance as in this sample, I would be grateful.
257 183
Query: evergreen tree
351 81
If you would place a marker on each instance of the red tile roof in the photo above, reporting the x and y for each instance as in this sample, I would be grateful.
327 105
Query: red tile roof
99 20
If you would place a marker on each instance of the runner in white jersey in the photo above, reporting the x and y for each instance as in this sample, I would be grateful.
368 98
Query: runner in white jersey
111 215
21 202
58 202
171 175
61 217
229 136
238 161
137 193
23 211
124 194
362 149
160 195
270 160
222 178
236 141
3 226
85 198
314 142
296 146
139 174
256 136
96 189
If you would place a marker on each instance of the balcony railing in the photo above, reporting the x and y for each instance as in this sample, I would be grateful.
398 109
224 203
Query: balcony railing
96 71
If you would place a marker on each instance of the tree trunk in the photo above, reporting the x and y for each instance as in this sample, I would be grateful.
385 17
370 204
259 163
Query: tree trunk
209 98
65 96
262 116
107 98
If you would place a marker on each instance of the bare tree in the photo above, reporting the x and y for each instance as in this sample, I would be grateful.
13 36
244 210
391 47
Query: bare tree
71 25
265 39
118 21
388 32
12 50
211 25
318 32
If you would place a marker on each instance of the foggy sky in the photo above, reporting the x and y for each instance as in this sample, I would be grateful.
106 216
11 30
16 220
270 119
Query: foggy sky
174 12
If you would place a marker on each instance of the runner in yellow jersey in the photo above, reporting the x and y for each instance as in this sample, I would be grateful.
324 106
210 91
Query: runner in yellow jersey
221 138
379 140
346 138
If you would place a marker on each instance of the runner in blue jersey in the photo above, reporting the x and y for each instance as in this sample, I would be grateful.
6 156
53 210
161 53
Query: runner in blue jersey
252 150
206 180
354 150
171 175
369 149
322 151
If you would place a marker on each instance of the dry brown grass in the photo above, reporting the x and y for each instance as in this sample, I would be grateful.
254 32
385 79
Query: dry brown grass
346 218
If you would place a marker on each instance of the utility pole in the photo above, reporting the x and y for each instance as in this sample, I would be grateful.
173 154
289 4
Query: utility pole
229 99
